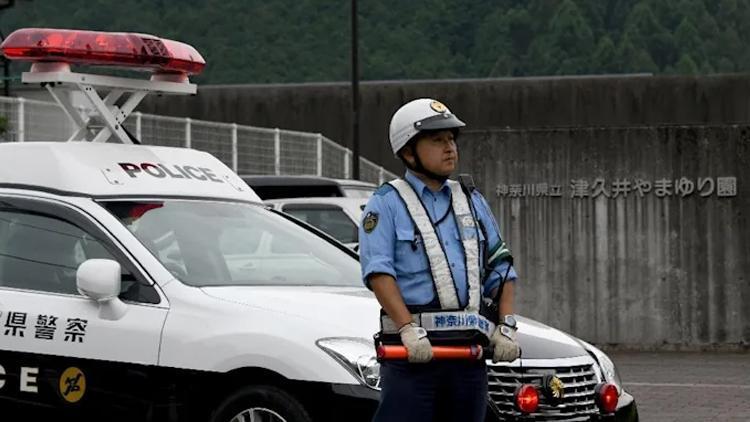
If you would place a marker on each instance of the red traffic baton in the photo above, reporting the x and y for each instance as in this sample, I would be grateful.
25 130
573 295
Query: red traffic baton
473 352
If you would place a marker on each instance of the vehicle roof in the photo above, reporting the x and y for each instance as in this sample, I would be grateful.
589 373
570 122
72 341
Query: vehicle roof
338 200
353 182
116 170
294 180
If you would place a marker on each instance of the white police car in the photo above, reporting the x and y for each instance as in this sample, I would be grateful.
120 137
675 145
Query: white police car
150 283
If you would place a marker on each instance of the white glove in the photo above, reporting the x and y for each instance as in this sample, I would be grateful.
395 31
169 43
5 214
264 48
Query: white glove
417 344
504 341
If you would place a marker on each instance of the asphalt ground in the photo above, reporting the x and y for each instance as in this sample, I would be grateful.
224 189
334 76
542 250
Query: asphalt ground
687 387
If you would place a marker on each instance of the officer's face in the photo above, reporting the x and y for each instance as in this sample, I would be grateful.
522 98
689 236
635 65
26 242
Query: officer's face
438 152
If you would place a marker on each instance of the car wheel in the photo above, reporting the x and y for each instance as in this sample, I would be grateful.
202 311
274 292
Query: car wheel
260 404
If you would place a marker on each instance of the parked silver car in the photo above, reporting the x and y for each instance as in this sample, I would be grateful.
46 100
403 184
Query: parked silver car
339 217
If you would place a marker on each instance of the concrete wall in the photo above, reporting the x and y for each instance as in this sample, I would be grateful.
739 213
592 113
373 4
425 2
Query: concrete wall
640 271
632 270
483 104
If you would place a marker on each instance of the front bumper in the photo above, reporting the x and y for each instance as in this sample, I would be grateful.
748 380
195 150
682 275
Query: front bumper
627 411
358 403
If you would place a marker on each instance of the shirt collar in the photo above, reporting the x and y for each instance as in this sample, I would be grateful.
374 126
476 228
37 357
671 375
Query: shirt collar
420 187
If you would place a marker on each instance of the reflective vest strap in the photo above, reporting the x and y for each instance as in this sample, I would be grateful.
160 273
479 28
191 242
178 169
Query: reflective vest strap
467 224
441 273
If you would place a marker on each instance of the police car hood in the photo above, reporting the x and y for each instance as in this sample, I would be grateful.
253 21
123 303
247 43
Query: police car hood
344 311
540 341
354 311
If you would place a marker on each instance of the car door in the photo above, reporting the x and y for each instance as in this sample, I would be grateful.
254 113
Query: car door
55 349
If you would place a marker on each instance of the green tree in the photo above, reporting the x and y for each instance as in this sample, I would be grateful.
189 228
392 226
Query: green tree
687 38
667 12
259 41
617 12
647 34
520 31
686 65
605 60
566 45
634 59
493 48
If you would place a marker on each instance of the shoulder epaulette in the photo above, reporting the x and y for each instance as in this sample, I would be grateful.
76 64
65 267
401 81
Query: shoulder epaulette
383 189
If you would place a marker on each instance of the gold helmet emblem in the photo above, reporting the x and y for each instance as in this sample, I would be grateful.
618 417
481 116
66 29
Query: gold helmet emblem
438 107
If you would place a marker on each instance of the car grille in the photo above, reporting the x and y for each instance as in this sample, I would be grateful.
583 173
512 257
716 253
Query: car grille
577 374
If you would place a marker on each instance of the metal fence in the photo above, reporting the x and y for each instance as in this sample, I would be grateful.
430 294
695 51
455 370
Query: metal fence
245 149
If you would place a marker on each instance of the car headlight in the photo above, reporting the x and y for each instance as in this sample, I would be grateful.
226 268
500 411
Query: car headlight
609 371
357 355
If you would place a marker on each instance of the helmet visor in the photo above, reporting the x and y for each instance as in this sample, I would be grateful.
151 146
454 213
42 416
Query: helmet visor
439 121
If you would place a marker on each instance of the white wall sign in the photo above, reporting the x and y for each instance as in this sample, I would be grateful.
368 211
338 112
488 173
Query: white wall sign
721 187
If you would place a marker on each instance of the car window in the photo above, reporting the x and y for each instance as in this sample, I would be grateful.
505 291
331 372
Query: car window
294 191
42 252
331 220
207 243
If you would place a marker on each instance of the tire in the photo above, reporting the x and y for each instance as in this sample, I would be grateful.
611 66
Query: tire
273 403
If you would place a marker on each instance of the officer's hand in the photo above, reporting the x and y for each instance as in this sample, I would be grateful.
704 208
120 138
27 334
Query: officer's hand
417 344
504 341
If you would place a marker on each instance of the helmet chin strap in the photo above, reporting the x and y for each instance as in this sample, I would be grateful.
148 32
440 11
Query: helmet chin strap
420 168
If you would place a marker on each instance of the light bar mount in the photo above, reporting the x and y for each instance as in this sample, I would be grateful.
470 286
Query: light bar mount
105 118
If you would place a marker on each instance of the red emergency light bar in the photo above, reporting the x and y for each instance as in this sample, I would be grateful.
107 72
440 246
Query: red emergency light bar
117 49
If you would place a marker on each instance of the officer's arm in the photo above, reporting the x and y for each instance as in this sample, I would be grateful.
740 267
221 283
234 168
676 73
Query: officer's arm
389 296
500 273
377 237
506 299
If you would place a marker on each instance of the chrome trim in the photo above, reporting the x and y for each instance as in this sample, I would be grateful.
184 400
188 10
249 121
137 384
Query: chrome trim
580 376
546 363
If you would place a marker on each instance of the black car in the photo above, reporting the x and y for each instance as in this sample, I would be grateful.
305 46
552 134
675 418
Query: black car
274 187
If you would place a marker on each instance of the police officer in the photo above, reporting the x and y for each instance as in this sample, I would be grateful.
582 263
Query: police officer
431 250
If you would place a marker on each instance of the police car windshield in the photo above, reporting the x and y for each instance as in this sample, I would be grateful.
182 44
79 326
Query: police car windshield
216 243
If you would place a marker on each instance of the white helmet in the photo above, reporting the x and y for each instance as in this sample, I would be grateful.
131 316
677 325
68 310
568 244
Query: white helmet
417 115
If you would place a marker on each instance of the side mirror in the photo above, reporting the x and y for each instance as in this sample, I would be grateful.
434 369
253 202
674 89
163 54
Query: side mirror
99 279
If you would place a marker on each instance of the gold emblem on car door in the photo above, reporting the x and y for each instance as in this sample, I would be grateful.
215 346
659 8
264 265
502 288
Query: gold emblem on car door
72 385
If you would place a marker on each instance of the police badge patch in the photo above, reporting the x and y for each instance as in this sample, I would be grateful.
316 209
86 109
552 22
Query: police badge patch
370 221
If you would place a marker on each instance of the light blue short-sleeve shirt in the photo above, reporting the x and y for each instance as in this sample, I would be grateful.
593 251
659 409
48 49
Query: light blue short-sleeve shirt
390 244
